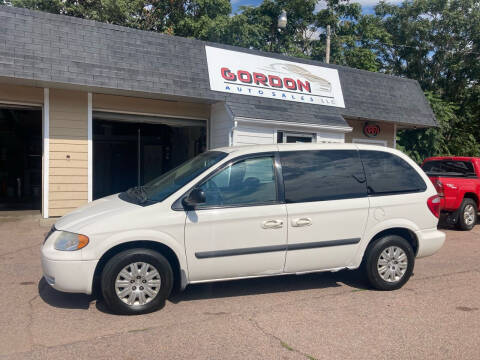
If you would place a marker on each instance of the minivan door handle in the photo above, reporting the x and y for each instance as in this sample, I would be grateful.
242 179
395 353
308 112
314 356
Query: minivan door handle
301 222
272 224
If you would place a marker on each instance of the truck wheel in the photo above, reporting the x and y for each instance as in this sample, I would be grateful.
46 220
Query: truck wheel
136 281
467 217
389 262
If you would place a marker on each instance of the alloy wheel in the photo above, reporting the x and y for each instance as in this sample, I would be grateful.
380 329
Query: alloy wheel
469 215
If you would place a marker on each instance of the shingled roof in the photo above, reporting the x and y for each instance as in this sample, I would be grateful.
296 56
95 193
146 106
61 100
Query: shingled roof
55 50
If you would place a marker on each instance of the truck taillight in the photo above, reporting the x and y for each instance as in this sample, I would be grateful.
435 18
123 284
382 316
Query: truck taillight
439 186
435 205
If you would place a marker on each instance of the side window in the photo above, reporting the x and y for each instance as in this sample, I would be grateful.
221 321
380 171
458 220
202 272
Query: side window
322 175
247 182
389 174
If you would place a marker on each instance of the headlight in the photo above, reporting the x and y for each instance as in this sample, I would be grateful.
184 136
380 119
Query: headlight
67 241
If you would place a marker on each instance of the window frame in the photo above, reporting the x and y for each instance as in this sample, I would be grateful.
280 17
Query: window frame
277 167
390 193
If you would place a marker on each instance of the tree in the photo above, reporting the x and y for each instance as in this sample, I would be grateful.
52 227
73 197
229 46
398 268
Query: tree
448 138
437 42
355 36
53 6
353 40
256 27
202 19
118 12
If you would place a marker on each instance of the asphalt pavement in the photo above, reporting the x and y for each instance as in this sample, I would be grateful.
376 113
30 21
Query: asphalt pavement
436 315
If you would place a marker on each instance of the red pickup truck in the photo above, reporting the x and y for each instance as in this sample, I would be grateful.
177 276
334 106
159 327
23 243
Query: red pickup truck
457 182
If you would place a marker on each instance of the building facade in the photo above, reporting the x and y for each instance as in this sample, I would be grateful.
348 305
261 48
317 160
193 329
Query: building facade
90 109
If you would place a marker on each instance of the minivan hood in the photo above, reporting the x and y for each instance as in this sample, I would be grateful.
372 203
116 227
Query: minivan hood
98 210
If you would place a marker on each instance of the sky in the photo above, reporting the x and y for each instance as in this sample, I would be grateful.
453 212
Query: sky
367 5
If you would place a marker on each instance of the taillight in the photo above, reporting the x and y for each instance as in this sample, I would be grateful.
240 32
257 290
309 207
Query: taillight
439 186
435 205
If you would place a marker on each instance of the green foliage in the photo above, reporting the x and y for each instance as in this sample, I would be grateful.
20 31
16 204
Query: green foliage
355 36
256 27
53 6
447 139
119 12
437 42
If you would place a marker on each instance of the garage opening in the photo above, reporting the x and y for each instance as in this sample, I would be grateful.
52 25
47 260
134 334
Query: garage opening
130 150
20 158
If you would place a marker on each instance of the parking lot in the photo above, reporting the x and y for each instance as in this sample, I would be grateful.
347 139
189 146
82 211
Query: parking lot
316 316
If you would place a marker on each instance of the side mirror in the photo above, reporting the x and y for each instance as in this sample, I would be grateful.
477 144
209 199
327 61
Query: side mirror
196 196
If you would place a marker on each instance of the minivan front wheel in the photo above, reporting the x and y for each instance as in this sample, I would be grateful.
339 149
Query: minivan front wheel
389 262
136 281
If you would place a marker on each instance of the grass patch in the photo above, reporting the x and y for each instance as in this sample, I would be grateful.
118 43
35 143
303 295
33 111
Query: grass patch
357 290
286 346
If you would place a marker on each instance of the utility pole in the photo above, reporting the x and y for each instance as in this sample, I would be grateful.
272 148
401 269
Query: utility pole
327 52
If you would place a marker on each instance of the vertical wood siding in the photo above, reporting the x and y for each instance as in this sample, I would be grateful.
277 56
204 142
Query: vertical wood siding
21 94
68 151
150 106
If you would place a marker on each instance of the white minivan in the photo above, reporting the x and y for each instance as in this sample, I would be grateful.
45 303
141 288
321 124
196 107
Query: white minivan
249 211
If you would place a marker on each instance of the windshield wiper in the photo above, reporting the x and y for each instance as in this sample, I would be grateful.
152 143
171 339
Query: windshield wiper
139 193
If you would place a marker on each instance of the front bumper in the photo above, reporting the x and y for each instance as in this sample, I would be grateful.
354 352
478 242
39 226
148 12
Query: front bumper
75 276
429 242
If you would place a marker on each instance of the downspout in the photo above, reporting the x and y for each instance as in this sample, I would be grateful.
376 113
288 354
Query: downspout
234 127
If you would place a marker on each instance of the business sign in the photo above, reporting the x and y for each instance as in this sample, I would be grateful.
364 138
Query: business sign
371 130
246 74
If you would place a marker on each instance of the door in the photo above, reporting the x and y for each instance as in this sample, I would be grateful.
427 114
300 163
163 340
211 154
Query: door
20 158
327 206
241 229
127 154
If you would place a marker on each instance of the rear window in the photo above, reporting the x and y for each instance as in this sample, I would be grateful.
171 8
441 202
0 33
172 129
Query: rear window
449 168
389 174
322 175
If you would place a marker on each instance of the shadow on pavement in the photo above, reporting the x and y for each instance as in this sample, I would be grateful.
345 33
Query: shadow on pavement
63 300
271 284
233 288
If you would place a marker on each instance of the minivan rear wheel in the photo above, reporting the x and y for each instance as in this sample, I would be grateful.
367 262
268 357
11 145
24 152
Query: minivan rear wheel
389 262
136 281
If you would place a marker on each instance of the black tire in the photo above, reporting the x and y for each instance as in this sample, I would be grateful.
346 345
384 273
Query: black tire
373 254
462 223
120 261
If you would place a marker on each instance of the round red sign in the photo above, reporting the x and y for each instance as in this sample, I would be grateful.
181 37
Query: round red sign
371 130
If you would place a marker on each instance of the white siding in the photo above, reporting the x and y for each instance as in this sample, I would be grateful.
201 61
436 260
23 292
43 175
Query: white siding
253 135
325 136
221 124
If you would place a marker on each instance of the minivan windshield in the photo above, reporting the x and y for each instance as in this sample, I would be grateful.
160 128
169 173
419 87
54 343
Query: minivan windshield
163 186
